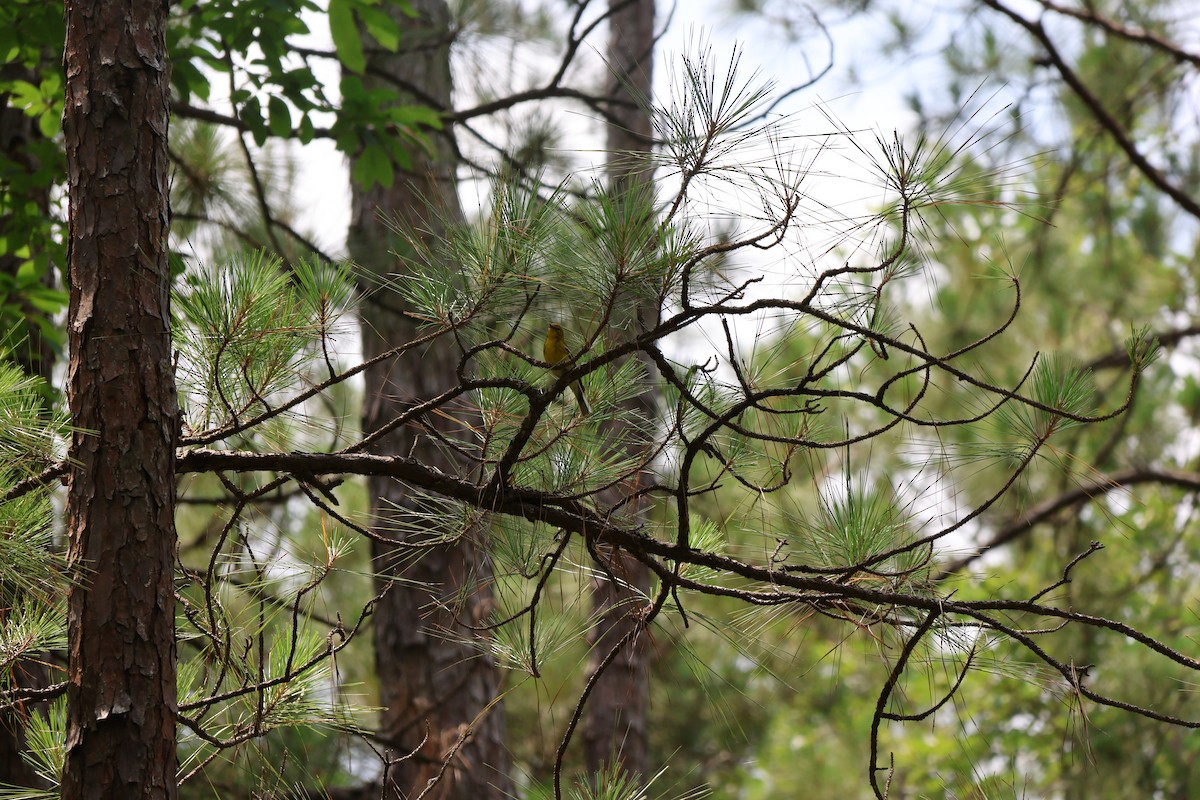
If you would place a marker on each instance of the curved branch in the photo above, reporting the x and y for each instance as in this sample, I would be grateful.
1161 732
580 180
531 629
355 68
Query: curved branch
1099 112
1094 490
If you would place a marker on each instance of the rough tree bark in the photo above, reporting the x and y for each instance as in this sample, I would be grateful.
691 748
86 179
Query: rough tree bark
121 701
434 688
615 728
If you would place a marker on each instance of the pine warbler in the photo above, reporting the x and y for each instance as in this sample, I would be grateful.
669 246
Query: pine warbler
556 353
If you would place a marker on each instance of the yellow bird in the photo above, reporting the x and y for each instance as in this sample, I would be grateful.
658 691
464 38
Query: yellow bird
556 353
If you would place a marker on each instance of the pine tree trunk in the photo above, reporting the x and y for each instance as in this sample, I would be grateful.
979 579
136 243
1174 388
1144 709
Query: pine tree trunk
120 510
433 686
615 722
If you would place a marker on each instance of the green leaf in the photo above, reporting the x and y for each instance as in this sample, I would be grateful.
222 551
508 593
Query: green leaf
25 94
48 301
51 85
280 117
27 273
252 116
399 152
372 167
346 40
187 79
416 116
352 89
50 124
305 132
381 27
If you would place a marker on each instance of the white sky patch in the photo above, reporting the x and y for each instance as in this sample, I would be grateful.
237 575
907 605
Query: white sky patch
324 181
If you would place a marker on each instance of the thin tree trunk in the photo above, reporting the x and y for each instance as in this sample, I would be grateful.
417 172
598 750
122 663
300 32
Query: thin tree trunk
121 701
434 687
615 726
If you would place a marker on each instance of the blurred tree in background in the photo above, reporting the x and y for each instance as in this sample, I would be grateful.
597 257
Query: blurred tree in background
1091 104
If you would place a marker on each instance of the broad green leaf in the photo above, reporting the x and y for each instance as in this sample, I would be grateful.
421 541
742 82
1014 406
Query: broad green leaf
25 95
27 273
50 124
49 301
382 27
416 116
280 117
400 154
372 167
252 116
187 79
346 40
305 131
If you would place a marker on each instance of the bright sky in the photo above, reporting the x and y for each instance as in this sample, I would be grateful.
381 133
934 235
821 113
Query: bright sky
875 104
